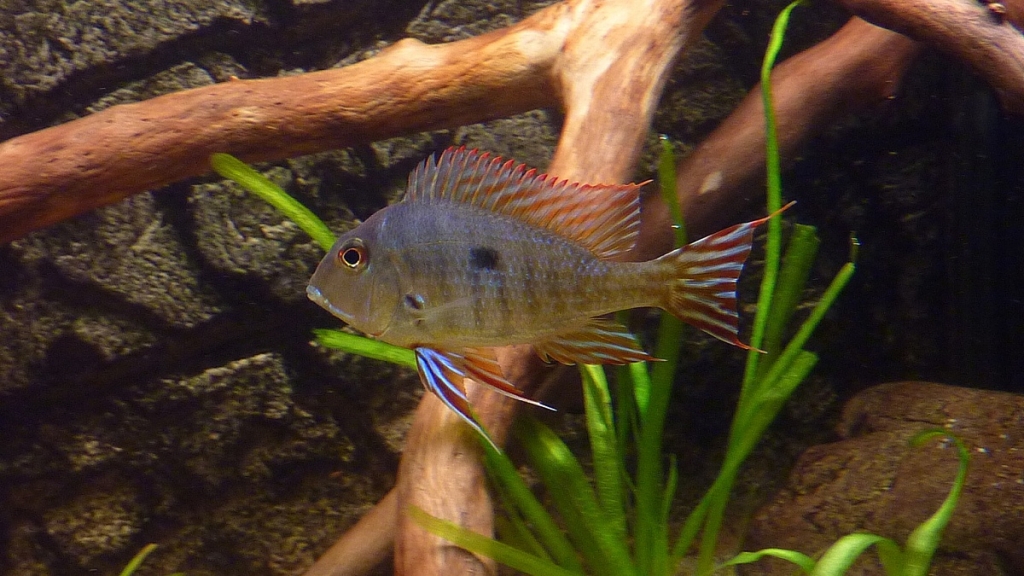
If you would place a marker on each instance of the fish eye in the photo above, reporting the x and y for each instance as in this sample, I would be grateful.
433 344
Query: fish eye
352 255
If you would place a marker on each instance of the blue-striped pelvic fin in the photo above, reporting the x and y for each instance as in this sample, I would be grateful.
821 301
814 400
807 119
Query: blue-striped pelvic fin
599 341
440 376
442 371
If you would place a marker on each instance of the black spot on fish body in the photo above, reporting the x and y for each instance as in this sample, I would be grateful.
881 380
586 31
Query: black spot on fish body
483 258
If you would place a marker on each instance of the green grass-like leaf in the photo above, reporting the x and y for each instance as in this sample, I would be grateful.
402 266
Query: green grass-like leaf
515 490
652 385
608 460
845 551
489 547
605 553
804 562
796 269
667 185
138 559
924 540
234 169
363 346
914 560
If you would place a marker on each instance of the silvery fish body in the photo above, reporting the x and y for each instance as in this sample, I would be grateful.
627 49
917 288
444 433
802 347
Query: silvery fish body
449 275
484 253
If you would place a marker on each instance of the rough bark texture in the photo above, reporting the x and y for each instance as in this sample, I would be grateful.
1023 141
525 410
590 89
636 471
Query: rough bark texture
156 378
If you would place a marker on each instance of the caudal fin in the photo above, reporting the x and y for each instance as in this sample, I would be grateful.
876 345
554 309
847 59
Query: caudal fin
704 291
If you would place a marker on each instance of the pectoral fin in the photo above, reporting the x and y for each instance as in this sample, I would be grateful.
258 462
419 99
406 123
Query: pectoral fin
442 371
599 341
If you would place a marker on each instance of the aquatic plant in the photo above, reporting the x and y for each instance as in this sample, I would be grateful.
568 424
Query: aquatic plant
139 558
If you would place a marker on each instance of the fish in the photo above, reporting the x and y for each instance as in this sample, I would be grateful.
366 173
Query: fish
482 252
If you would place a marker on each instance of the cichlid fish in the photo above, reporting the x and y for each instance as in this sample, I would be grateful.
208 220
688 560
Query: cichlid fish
483 253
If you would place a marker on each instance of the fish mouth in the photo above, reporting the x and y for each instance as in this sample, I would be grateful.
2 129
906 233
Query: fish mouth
314 294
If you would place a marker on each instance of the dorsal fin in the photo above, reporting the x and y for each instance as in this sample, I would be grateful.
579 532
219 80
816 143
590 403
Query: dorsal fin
605 218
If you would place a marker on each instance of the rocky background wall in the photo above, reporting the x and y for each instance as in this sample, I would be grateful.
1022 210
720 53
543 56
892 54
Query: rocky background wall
157 377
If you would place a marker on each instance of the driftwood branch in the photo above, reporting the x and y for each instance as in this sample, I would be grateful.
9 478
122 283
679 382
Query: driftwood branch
365 545
604 63
984 35
66 170
857 67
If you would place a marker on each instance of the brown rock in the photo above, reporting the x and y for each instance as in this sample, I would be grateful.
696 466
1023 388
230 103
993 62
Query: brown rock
873 480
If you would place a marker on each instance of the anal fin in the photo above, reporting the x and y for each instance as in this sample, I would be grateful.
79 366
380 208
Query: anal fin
599 341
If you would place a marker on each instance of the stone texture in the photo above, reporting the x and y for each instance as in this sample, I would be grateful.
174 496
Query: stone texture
450 20
44 43
874 480
129 252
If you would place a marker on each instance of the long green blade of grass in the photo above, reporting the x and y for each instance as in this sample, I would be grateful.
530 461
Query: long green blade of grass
773 244
511 529
715 508
604 552
667 185
841 555
364 346
796 269
138 559
924 540
511 484
653 392
803 334
234 169
608 466
768 405
752 432
484 546
804 562
717 497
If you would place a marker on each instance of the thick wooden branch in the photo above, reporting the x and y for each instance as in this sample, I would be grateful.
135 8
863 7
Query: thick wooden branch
974 32
66 170
365 545
858 67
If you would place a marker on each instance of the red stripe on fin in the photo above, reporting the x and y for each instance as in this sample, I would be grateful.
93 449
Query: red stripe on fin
481 365
704 291
600 341
605 218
